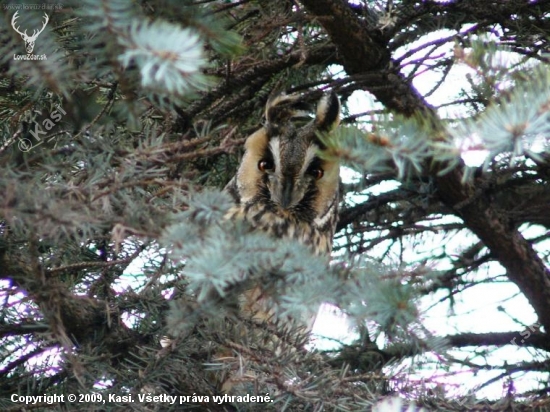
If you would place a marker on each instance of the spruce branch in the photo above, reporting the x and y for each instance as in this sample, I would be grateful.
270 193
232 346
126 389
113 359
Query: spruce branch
169 58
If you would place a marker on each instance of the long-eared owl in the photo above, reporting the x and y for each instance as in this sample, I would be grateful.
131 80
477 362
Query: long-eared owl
283 186
286 189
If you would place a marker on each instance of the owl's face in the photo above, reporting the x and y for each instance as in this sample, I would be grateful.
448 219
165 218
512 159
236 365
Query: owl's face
281 167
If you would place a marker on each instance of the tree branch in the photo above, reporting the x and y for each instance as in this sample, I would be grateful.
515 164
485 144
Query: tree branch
361 52
523 339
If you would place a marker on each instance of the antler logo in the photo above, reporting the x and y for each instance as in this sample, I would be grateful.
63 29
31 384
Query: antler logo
29 40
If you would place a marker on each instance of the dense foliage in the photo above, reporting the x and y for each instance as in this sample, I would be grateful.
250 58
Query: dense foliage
121 128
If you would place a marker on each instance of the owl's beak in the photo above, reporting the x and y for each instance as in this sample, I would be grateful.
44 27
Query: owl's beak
286 199
283 192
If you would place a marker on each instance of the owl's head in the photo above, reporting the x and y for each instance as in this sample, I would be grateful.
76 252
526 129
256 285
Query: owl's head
281 167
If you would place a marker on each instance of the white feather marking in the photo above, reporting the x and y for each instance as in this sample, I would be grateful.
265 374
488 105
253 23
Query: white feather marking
276 150
310 154
324 218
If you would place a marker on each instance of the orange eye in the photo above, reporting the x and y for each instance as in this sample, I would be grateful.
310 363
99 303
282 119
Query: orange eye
265 165
317 173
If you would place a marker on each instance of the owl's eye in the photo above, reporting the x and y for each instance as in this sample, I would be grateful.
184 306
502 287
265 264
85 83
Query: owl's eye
316 172
265 165
315 169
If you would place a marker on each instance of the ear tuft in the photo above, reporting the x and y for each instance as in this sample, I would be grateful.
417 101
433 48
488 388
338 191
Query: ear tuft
328 112
284 107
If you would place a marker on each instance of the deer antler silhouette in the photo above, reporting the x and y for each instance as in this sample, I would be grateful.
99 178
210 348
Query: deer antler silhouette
29 40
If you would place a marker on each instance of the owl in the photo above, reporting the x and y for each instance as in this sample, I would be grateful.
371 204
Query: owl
283 186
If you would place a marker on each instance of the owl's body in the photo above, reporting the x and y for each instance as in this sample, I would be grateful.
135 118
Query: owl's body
282 186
